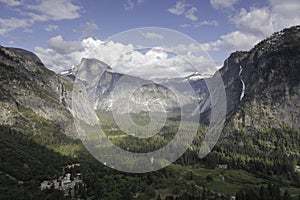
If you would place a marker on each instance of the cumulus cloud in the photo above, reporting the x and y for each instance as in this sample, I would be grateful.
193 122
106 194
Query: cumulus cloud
256 24
202 23
58 44
89 28
190 14
221 4
130 4
150 63
238 41
209 23
159 63
288 9
11 3
41 11
51 27
152 35
54 10
266 20
257 21
180 9
10 24
232 42
61 55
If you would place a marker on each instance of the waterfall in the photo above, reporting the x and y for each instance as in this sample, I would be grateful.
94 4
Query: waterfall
243 83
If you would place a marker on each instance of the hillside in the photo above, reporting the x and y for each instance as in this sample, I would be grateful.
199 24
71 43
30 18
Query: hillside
32 97
270 73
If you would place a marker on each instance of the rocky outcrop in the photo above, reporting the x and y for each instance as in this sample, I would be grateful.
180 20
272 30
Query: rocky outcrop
263 85
29 90
111 91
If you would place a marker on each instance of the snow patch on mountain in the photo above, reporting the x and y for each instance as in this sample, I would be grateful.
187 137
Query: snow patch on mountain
197 76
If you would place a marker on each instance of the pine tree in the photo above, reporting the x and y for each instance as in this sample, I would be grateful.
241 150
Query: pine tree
263 193
287 195
158 197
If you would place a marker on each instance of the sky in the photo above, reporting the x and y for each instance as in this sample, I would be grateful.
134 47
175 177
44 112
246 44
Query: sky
147 38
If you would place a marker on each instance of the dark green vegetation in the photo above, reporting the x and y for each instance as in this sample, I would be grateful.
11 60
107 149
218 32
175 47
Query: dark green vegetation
268 156
25 163
32 159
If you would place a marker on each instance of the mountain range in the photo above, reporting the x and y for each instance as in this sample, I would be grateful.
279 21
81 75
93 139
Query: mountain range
262 85
262 89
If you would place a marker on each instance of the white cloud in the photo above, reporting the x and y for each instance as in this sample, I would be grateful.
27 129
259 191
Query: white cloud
285 13
238 41
155 62
256 24
58 44
287 9
54 10
232 42
186 25
89 28
209 23
190 14
130 4
257 21
264 21
105 51
27 30
202 23
51 27
54 60
42 11
178 9
60 54
221 4
11 3
10 24
152 35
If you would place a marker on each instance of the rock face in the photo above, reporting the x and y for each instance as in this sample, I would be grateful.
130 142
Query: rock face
111 91
31 93
263 85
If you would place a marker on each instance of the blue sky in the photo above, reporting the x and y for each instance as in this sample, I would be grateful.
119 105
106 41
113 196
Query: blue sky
61 32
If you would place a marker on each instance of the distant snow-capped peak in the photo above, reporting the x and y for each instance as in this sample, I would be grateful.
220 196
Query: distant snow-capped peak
197 76
66 72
